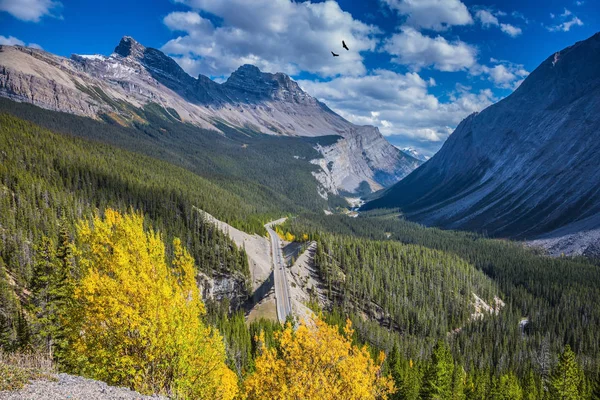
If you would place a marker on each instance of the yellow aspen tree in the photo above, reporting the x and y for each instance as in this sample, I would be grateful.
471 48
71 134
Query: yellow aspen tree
316 362
136 321
289 237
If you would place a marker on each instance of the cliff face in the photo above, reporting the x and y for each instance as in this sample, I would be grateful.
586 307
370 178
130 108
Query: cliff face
525 167
134 76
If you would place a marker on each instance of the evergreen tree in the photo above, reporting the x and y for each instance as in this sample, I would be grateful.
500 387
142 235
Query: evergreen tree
459 377
596 388
45 324
531 388
406 376
565 381
437 382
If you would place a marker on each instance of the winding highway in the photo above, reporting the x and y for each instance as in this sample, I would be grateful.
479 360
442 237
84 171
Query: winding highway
282 291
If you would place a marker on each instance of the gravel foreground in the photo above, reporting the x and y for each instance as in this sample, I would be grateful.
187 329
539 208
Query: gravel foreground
72 388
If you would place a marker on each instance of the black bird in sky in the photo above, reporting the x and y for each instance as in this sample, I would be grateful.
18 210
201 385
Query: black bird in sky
344 45
335 55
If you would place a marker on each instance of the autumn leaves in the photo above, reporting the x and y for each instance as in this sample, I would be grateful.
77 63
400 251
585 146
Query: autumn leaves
136 319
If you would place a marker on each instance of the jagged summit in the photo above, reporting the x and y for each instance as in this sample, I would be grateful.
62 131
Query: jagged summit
129 47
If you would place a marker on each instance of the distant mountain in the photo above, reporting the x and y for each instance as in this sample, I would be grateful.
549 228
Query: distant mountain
526 167
114 88
414 154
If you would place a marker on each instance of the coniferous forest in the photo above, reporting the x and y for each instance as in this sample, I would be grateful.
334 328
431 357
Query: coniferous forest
415 312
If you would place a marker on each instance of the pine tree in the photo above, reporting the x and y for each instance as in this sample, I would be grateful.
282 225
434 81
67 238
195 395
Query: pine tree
45 324
596 388
531 388
459 377
566 378
437 382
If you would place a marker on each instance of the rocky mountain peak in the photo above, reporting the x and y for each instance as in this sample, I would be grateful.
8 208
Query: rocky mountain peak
250 80
129 47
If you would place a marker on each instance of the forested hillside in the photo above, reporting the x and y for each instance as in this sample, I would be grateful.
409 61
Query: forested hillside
421 281
49 181
270 173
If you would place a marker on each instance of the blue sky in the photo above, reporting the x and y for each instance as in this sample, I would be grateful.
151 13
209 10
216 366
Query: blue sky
415 67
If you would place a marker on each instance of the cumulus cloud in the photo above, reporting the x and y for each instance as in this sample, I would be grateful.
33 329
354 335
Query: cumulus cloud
503 74
401 105
565 26
432 14
30 10
487 19
276 36
412 48
568 21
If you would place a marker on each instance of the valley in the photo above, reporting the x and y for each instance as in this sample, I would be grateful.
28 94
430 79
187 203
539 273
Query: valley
194 239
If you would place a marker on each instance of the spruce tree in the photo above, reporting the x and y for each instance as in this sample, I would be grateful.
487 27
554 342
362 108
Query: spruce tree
566 378
531 388
596 388
437 382
45 323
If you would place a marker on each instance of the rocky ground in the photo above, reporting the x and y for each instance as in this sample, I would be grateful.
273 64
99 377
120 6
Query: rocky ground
72 388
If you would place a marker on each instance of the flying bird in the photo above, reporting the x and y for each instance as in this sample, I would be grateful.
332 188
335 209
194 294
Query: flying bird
335 55
344 45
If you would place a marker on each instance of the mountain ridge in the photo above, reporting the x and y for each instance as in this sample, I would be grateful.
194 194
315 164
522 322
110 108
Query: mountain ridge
523 167
114 87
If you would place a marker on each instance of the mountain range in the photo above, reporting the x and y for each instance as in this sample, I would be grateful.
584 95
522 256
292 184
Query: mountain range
525 167
114 88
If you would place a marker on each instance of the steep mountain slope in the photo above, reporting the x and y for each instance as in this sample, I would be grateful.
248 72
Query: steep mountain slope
115 88
523 167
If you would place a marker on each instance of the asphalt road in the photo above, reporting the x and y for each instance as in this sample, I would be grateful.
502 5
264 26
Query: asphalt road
282 291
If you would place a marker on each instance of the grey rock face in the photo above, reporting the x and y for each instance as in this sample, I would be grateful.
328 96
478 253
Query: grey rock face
525 167
134 76
223 287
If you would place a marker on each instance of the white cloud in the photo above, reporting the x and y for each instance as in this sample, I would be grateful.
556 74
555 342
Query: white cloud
579 3
416 50
11 41
399 104
518 15
566 26
568 21
503 74
30 10
487 19
510 30
276 36
432 14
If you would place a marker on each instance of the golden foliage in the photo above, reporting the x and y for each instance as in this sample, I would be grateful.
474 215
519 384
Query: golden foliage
317 362
136 320
289 237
